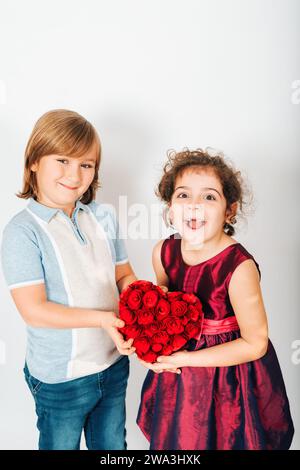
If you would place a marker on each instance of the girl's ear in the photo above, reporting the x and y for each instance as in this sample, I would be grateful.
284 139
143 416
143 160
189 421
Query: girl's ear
34 167
231 212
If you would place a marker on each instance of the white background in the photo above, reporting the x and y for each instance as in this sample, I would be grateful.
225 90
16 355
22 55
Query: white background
154 75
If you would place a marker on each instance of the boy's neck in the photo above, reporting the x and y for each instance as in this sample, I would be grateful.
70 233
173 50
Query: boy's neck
68 210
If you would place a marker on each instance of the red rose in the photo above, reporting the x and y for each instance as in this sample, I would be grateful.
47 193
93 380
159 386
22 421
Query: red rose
125 294
193 313
142 345
174 296
143 285
178 342
145 317
127 315
167 350
162 309
192 330
159 323
189 298
151 329
132 331
156 347
184 320
178 308
134 300
150 299
160 337
149 357
173 325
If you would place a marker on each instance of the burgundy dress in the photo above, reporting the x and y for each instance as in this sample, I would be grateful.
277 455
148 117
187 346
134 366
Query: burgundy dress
236 407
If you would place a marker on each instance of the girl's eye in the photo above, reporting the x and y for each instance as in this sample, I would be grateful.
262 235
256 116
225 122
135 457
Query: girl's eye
182 195
62 160
209 197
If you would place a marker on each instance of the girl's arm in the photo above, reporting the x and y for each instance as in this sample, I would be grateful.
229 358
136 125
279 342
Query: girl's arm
37 311
161 276
246 299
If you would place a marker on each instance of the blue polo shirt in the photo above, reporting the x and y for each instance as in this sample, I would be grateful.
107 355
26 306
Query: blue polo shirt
75 258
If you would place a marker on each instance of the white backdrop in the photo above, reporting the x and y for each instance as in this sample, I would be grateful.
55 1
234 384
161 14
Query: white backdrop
154 75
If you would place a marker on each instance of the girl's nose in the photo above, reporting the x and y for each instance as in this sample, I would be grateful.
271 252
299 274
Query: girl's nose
194 210
195 206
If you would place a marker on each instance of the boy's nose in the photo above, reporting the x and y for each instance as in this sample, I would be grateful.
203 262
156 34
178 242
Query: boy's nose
73 174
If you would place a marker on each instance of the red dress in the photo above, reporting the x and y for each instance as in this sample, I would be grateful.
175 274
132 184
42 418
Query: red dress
236 407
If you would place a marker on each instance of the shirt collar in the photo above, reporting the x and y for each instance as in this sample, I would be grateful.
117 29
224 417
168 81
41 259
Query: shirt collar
46 213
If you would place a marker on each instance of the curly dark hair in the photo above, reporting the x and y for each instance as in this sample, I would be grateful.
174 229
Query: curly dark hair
233 185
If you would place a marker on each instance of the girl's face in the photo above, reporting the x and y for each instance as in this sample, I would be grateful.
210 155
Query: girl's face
198 206
63 180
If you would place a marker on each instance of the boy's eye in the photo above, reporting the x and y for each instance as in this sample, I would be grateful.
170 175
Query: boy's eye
209 197
86 165
64 162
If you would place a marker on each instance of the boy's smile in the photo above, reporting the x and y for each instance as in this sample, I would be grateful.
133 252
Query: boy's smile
62 180
68 187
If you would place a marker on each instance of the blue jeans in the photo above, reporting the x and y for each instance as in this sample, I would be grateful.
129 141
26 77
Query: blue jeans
94 403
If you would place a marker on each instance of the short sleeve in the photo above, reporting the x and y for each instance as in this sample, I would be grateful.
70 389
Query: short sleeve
21 257
119 244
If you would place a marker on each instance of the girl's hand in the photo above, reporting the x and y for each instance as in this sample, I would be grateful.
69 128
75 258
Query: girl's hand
158 368
177 359
164 289
110 322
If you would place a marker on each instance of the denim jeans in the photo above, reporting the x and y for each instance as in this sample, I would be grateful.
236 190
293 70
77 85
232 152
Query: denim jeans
94 403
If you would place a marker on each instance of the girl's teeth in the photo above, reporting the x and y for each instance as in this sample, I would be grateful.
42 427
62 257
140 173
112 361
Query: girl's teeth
195 224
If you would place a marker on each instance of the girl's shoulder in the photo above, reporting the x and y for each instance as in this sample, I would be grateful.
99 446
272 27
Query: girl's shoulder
228 259
235 255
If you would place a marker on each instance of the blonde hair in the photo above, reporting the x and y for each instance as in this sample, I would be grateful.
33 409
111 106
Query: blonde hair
60 132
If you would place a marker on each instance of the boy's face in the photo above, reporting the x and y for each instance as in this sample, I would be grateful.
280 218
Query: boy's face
198 206
63 180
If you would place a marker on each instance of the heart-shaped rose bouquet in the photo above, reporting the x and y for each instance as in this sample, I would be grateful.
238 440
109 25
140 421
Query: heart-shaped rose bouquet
160 323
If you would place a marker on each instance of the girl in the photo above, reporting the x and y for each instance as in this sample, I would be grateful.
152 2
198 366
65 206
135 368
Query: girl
230 393
64 263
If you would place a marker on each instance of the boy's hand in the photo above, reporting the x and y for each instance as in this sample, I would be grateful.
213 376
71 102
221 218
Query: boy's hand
110 322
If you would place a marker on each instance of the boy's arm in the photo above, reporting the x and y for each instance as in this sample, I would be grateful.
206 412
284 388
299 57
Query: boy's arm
31 301
38 312
124 276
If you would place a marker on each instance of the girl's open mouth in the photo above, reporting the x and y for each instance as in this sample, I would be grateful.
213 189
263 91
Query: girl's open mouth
195 224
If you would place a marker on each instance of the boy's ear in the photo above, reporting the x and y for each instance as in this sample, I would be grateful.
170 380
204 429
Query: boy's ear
34 167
